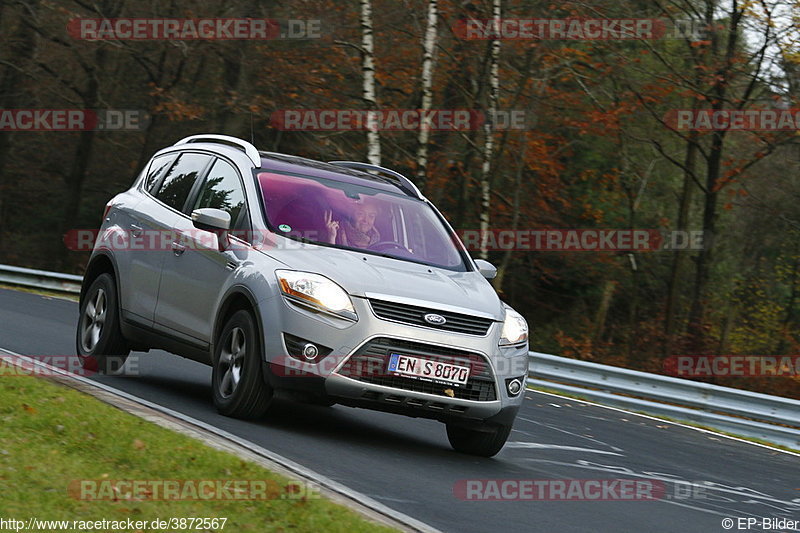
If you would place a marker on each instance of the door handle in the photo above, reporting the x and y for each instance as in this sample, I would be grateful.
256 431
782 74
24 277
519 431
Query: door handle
178 248
136 231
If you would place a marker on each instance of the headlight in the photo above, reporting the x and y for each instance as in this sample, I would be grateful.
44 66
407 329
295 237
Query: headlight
316 290
515 328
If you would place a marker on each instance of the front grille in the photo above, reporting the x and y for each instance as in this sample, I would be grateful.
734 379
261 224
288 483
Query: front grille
369 365
414 315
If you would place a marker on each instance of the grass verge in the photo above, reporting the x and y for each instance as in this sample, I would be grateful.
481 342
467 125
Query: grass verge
51 435
41 292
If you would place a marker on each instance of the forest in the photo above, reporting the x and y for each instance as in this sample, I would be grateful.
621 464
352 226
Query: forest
674 120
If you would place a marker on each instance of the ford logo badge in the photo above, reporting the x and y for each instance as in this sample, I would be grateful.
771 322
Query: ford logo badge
436 320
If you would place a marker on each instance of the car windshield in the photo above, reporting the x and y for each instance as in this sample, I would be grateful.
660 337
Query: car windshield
356 217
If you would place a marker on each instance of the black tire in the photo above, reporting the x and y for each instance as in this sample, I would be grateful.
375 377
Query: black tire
485 442
237 381
99 342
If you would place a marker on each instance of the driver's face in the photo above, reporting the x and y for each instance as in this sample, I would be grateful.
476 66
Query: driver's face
365 218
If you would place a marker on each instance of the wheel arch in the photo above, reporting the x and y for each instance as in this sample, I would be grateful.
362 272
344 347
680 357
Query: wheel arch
236 298
102 263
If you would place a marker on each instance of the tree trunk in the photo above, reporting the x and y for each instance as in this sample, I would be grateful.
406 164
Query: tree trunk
74 180
147 146
497 282
727 326
232 121
697 315
488 147
428 60
790 318
21 47
602 310
368 90
679 256
700 294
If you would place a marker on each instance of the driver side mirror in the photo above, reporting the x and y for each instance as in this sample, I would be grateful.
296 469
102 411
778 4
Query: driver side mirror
487 270
216 221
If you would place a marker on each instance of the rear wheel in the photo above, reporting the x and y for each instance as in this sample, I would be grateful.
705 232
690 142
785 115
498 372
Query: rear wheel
485 442
237 381
99 341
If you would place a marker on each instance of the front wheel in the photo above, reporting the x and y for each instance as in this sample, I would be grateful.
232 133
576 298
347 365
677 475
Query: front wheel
485 442
237 381
99 341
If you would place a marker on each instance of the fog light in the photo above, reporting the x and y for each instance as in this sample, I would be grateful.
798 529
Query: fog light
514 386
310 352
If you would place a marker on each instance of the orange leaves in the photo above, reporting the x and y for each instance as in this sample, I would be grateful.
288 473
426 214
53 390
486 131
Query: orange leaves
542 155
657 92
177 109
575 347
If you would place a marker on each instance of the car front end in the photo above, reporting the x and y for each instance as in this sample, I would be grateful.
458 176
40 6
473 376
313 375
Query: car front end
407 324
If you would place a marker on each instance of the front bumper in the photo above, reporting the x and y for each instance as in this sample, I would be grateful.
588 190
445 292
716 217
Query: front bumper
485 397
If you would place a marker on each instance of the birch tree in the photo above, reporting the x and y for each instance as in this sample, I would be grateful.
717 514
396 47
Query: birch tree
488 128
428 60
368 87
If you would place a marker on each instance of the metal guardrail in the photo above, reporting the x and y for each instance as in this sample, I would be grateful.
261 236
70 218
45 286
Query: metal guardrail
40 279
741 412
750 414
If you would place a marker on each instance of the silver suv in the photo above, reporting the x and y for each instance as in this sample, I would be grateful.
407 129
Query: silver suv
329 282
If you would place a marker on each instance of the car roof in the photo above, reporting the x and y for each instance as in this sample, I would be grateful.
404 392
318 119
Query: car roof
284 163
343 171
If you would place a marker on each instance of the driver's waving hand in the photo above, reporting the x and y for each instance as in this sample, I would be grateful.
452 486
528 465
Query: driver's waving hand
359 233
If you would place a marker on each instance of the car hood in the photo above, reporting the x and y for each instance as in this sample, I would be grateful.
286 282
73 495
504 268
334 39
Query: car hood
368 275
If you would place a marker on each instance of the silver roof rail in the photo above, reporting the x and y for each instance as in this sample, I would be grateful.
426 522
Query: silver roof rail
405 184
249 149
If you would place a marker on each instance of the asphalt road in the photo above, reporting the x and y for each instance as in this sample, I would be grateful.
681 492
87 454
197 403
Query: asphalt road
408 465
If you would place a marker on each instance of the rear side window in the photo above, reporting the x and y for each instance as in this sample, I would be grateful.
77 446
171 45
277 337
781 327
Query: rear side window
223 190
157 169
178 182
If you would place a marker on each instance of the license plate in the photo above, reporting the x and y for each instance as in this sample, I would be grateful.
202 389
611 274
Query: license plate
428 370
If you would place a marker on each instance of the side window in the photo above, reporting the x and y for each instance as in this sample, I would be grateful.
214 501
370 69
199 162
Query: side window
158 167
223 190
178 182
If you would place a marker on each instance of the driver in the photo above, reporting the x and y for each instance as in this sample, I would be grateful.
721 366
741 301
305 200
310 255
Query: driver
360 233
